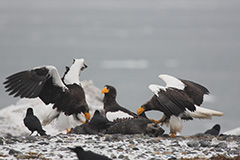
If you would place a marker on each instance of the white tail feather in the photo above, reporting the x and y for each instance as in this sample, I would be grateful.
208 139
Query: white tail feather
50 117
204 113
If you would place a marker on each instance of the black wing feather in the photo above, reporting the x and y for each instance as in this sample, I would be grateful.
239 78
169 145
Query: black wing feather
195 91
33 83
167 106
180 98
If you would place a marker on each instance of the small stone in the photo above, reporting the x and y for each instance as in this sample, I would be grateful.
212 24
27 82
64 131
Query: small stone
1 141
121 156
218 150
43 143
193 144
135 148
221 145
113 156
204 144
59 141
108 138
30 138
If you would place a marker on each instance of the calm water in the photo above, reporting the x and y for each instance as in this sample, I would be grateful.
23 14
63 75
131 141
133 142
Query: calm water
128 44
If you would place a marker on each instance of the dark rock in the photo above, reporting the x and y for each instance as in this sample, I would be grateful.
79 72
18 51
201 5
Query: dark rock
43 143
14 152
121 156
59 141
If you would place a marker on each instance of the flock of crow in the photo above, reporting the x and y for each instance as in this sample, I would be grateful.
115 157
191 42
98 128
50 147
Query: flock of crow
178 100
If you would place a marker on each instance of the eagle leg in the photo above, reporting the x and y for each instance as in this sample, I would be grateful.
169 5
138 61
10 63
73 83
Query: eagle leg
160 120
69 130
172 135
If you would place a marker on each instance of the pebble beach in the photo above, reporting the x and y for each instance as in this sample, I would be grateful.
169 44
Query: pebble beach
117 146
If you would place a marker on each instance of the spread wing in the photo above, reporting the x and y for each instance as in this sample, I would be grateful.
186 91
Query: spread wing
43 82
195 91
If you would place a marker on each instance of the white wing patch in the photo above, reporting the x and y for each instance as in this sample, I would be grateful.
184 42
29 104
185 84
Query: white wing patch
156 88
50 117
111 116
56 77
172 81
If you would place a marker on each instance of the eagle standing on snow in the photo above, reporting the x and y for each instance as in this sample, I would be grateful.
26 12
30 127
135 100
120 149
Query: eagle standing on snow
179 99
44 82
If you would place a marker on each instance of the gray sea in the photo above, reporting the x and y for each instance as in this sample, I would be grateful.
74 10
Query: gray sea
127 44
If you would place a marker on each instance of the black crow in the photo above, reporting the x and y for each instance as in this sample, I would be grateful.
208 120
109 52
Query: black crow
87 155
214 130
33 123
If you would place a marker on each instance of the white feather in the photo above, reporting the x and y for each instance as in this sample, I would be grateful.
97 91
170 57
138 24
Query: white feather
55 75
111 116
172 81
155 88
50 117
204 113
73 74
175 124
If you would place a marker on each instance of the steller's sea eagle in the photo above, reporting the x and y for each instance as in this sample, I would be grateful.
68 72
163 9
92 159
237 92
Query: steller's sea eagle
179 99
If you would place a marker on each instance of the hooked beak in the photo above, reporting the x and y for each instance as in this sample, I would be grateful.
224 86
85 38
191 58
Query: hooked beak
87 115
105 90
140 110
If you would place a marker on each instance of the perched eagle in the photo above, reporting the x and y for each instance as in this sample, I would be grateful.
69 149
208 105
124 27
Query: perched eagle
113 110
179 99
66 94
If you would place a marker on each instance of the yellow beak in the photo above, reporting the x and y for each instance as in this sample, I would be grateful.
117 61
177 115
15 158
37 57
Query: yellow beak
105 90
87 115
140 110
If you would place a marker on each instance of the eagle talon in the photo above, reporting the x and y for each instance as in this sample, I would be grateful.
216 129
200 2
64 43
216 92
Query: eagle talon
155 121
69 130
173 135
